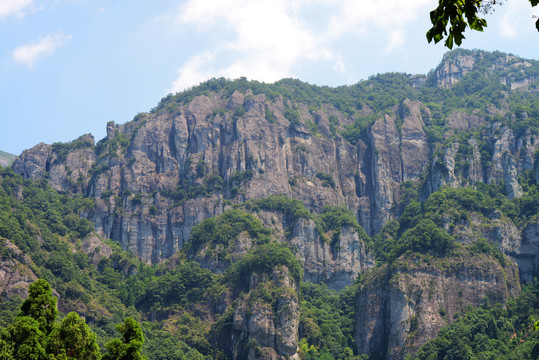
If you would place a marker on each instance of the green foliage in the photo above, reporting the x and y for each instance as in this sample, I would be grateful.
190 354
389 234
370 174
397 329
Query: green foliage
186 283
489 332
326 321
34 334
223 229
73 340
333 218
162 345
130 345
40 305
264 259
61 150
293 209
292 115
327 180
459 15
270 116
451 18
187 189
425 237
23 339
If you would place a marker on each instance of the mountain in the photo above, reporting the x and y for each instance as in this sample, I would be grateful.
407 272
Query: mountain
6 159
415 196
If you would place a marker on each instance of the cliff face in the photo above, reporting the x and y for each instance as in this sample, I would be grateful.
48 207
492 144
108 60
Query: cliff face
206 145
15 270
218 157
196 157
263 326
338 265
527 252
464 163
400 307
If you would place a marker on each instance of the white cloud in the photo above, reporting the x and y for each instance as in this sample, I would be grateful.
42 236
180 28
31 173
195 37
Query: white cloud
271 37
30 54
268 40
192 71
14 7
517 17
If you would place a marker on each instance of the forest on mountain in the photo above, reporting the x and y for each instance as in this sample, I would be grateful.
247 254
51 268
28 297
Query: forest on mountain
396 218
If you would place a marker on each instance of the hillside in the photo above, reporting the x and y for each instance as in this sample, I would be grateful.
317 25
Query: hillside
229 216
6 159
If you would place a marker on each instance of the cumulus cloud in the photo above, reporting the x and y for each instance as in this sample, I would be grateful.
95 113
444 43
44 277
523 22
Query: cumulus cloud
268 39
271 37
517 17
14 7
30 54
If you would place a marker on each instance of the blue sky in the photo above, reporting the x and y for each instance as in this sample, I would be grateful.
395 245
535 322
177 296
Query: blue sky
67 67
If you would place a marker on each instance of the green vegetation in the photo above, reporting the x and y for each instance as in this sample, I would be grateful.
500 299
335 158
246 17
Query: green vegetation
128 348
223 229
35 334
263 260
327 180
233 262
326 322
6 158
490 332
61 150
451 18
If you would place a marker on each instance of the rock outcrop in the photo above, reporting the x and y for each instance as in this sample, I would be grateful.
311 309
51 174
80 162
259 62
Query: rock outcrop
267 327
336 265
401 307
16 272
498 159
156 177
527 253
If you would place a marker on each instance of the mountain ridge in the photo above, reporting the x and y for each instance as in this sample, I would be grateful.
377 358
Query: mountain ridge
349 179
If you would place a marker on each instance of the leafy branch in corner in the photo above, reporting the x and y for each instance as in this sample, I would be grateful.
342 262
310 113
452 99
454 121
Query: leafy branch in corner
451 18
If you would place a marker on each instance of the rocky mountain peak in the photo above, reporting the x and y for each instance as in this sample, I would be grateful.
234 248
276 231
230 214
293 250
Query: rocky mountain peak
453 67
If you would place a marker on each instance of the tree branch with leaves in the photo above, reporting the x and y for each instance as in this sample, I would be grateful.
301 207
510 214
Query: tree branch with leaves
451 18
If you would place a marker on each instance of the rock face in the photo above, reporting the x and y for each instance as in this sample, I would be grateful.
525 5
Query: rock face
205 147
466 163
267 328
337 266
401 307
15 270
452 69
157 176
527 253
194 157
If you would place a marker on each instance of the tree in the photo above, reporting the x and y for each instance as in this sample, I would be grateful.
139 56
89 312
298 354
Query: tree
73 340
23 340
128 348
40 305
34 335
451 18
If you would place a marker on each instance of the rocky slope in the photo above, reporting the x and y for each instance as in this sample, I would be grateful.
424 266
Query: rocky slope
369 149
267 327
15 270
218 149
400 307
6 159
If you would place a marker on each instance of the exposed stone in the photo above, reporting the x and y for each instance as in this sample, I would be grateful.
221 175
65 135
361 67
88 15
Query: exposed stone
15 271
262 328
402 307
